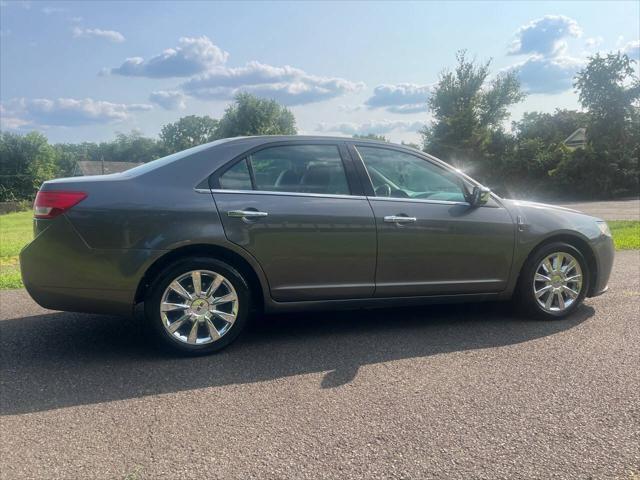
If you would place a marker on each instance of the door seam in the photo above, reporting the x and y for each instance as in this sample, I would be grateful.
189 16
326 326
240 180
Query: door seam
375 267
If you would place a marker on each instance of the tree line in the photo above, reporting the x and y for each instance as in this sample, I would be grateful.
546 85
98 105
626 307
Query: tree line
531 159
469 112
28 160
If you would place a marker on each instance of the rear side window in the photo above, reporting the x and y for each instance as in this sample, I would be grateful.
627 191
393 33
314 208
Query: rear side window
291 168
237 177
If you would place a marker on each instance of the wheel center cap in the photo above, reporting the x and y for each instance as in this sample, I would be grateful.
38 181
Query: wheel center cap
557 280
199 306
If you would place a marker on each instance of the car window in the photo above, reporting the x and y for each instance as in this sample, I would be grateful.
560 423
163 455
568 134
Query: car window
401 175
237 177
300 168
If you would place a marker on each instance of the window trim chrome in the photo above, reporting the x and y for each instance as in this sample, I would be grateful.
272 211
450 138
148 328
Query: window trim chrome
282 194
417 200
336 196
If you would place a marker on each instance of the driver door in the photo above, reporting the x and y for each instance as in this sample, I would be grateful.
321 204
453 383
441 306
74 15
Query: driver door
430 240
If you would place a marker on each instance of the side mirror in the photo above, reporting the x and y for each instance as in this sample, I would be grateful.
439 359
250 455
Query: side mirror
479 196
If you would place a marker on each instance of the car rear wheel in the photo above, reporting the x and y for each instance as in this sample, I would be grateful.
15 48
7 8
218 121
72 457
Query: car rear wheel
554 281
198 305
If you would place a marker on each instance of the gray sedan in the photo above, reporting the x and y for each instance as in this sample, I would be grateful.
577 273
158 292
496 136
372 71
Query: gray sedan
209 235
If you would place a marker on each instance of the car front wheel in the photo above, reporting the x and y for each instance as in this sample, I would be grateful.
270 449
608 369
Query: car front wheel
554 281
198 305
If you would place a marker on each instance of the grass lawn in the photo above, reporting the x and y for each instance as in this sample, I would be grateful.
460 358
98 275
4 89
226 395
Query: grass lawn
16 232
626 234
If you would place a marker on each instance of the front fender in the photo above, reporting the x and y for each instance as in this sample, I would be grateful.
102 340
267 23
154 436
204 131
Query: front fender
539 223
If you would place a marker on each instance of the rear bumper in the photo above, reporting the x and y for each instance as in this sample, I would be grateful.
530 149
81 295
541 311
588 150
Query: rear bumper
112 302
61 272
604 253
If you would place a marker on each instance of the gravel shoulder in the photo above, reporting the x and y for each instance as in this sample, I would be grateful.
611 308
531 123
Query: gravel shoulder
467 391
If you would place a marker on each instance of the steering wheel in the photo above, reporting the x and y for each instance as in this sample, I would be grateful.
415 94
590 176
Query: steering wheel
397 193
423 195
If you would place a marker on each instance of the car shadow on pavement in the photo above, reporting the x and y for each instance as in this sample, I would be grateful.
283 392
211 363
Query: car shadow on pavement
59 360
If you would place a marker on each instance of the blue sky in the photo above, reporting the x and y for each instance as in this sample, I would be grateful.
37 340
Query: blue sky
81 71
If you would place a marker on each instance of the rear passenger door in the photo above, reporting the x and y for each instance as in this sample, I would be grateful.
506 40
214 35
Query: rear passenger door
297 208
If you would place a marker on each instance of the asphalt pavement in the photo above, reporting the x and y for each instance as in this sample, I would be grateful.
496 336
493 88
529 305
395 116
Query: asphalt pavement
611 210
466 391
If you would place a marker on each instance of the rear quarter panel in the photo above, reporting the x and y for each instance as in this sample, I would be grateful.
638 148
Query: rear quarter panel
128 221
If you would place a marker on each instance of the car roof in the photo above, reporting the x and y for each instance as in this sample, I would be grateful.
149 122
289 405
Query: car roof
262 139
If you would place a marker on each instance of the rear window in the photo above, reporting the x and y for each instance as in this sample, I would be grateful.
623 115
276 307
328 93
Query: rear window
161 162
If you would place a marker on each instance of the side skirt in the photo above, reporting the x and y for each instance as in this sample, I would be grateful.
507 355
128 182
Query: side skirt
273 306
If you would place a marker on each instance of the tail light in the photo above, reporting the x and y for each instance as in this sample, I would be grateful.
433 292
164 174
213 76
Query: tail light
53 203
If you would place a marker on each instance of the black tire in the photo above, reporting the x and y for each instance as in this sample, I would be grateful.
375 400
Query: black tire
525 297
158 286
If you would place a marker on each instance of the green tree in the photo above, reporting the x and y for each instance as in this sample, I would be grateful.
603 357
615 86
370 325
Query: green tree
131 147
126 147
188 132
534 151
250 115
66 161
372 136
610 91
550 128
73 152
467 110
410 145
25 162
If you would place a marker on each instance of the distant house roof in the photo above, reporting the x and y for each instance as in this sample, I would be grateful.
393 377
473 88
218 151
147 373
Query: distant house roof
92 167
577 139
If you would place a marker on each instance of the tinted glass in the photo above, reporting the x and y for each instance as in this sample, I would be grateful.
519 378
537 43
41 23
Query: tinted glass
237 177
300 168
400 175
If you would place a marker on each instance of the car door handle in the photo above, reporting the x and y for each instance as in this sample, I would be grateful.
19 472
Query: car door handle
399 219
246 214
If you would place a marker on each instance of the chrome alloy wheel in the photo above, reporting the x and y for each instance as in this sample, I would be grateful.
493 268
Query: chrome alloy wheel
557 282
199 307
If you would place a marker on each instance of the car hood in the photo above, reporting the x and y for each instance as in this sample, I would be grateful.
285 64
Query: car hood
543 206
525 207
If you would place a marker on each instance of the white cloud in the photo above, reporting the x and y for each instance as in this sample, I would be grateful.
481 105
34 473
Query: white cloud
547 75
349 108
633 49
549 69
400 98
288 85
169 100
9 122
52 10
192 56
593 42
544 35
210 79
69 111
379 127
110 35
26 4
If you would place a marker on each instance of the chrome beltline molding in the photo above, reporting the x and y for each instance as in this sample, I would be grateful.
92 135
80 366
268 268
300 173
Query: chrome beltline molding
323 195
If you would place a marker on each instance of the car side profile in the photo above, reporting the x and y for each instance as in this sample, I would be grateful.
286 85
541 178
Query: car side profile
206 236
